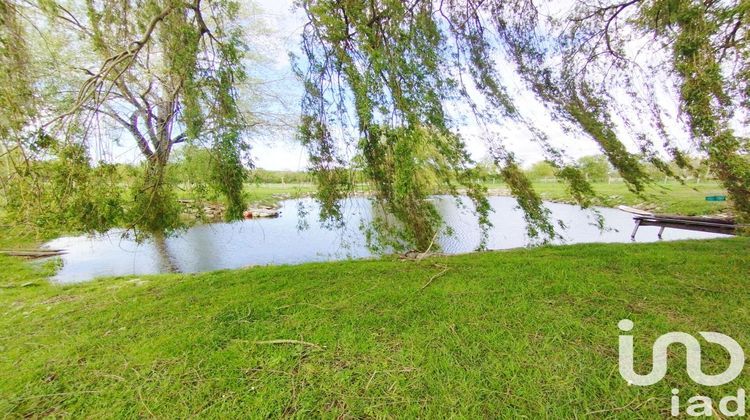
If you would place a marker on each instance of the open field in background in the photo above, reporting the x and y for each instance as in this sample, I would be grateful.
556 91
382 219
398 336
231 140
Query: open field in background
497 334
669 197
272 193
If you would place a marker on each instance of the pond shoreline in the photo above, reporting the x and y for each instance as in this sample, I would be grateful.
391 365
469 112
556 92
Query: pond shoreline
296 237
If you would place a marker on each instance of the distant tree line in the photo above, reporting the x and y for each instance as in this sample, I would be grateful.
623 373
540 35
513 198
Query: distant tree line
596 168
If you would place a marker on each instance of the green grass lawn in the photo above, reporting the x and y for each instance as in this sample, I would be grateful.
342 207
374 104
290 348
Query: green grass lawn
498 334
272 193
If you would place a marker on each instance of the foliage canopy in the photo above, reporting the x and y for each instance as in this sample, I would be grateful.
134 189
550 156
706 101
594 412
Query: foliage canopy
401 67
82 74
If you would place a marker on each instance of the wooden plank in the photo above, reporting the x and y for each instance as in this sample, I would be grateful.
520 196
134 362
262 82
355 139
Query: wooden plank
661 220
694 219
634 210
36 253
722 228
644 213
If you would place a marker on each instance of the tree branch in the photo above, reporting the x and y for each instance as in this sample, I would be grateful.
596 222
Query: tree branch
179 139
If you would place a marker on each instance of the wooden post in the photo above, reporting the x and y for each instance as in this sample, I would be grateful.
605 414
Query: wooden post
635 230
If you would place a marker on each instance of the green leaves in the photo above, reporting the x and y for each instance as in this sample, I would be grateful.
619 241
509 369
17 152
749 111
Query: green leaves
164 72
66 193
388 63
407 166
706 36
398 65
16 90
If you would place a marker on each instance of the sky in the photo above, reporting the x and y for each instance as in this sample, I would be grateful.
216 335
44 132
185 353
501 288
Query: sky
280 151
277 149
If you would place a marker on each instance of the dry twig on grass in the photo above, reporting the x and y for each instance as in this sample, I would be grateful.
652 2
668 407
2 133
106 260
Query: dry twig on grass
284 341
445 270
304 304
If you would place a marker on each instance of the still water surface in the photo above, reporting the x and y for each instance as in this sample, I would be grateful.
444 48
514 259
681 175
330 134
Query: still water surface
281 241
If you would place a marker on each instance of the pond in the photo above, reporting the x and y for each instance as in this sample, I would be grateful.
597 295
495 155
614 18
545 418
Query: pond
281 241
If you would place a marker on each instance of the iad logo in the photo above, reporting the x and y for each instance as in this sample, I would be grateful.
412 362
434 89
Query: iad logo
659 354
701 406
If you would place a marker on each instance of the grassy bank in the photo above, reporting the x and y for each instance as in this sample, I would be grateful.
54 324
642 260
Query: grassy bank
670 197
524 332
271 194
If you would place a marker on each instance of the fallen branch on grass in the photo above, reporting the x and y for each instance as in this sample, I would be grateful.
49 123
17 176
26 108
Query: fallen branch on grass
304 343
427 251
304 304
418 256
445 270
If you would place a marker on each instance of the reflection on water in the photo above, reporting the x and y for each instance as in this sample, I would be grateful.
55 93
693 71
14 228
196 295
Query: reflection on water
280 241
161 250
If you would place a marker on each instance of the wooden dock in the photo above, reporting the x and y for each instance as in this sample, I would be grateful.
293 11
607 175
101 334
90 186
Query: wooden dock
725 226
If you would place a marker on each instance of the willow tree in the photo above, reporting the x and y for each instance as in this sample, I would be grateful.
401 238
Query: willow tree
161 71
396 68
702 49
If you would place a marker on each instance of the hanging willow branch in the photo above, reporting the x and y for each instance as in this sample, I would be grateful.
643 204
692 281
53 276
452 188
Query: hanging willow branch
396 67
167 72
112 69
